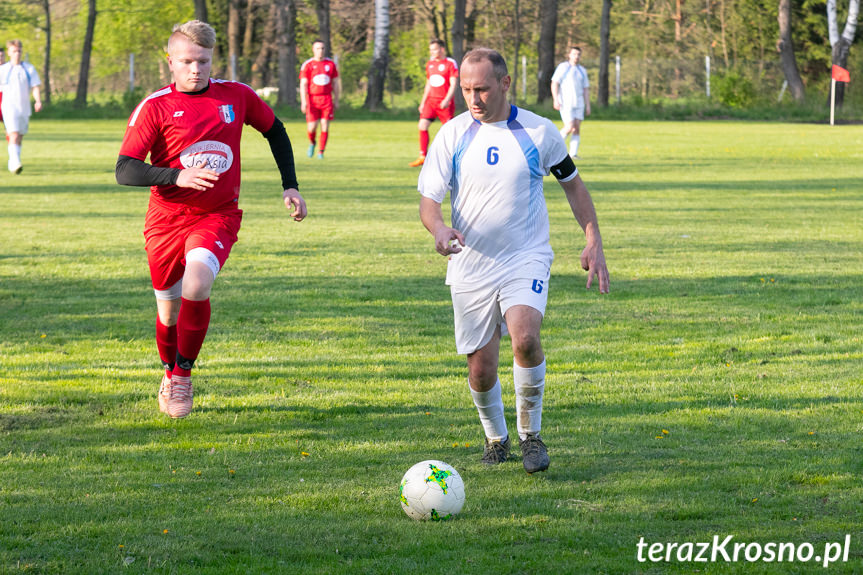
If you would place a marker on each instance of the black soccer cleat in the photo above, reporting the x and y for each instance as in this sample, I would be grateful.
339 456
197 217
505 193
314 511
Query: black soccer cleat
495 452
534 455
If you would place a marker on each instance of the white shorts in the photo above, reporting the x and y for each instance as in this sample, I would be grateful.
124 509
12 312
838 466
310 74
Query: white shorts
16 123
570 114
479 310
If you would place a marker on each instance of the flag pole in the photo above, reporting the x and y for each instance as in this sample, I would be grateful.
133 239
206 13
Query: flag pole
832 98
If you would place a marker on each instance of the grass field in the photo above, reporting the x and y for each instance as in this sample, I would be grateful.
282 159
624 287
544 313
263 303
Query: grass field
715 391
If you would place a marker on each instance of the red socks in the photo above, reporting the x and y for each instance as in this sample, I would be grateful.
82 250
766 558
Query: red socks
424 142
324 136
192 327
166 342
311 137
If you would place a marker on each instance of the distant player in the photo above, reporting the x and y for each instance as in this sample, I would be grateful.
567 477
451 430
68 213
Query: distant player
437 100
17 80
320 87
570 88
2 61
191 131
492 160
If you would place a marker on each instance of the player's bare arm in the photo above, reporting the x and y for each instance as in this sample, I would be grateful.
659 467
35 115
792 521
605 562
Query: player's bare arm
446 239
304 89
592 257
587 102
295 202
450 93
555 94
37 96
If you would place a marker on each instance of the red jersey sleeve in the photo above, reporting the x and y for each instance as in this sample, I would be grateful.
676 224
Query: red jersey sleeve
141 131
258 114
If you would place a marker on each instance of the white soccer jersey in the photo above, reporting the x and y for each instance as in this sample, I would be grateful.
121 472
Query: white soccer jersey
573 80
494 175
17 82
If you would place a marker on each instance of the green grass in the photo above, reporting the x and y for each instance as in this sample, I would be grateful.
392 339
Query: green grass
715 390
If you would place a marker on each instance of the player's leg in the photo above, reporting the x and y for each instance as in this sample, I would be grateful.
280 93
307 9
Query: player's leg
311 128
423 127
325 134
478 332
578 116
16 127
524 303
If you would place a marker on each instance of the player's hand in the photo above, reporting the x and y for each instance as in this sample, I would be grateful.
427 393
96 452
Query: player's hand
556 104
37 106
294 201
197 178
420 108
303 107
587 110
444 104
336 104
448 241
593 261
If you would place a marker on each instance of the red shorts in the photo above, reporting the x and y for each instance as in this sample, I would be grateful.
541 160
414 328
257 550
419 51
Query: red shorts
433 110
170 235
320 107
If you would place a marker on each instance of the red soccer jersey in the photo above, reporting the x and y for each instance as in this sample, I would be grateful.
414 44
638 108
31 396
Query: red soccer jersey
439 73
181 130
320 76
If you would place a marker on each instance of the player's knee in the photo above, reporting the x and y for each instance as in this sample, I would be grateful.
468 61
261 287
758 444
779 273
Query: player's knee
482 378
202 267
527 346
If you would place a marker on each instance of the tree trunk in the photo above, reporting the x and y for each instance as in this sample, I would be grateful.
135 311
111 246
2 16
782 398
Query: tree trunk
322 9
545 48
841 44
248 38
604 54
458 43
261 65
84 73
286 39
514 67
201 10
380 60
786 52
46 68
233 38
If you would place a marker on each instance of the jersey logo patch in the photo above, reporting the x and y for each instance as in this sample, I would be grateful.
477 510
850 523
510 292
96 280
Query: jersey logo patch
178 113
436 80
209 154
226 111
321 79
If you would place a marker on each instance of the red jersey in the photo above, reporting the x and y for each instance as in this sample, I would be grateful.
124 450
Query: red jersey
320 76
439 73
182 130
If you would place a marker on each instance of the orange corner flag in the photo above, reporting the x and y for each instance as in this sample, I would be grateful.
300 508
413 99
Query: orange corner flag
840 74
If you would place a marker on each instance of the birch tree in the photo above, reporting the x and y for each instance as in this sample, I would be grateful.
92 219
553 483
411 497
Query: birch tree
380 59
841 44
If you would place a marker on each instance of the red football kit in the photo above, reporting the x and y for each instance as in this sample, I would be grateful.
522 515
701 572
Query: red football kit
183 130
319 75
439 73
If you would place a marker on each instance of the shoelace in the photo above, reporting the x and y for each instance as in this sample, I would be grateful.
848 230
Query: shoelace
532 445
178 390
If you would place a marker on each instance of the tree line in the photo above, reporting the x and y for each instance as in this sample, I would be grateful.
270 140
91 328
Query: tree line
83 47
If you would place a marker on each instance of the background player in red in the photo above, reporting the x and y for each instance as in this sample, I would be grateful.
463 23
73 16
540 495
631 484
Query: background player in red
191 130
437 102
320 88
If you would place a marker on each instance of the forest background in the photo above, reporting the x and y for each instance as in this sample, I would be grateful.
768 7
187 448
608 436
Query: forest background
700 58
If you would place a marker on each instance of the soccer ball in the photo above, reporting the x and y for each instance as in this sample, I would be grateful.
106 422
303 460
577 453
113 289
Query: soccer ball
432 490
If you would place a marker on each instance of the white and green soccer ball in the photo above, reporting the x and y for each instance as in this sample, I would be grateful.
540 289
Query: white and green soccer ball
432 490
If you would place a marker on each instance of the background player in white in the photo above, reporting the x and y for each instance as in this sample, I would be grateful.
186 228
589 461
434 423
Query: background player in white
17 80
570 88
492 159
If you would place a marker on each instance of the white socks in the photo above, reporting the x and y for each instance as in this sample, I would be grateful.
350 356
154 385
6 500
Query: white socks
489 404
14 157
573 145
529 387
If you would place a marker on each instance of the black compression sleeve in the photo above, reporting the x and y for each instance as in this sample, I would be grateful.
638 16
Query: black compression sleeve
564 169
133 172
280 145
